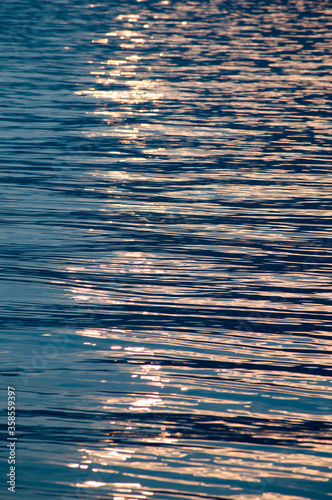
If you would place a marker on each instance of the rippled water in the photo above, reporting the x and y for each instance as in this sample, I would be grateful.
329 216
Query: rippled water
166 248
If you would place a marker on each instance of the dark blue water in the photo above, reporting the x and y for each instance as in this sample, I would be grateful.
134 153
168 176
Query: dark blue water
166 249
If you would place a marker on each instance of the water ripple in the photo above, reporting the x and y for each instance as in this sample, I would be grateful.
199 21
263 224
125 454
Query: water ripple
166 248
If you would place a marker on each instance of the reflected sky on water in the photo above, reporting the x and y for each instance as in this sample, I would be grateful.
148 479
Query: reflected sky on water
166 248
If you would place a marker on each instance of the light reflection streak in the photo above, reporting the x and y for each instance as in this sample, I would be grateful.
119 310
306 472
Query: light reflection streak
148 114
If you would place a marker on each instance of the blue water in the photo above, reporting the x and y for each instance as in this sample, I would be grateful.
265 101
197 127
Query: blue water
166 249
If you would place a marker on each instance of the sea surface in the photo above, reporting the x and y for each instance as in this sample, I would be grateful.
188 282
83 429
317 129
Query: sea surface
166 249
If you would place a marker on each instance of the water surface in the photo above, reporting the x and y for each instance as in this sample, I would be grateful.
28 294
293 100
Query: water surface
166 248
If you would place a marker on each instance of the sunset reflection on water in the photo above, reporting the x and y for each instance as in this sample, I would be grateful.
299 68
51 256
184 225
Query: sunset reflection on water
221 338
167 219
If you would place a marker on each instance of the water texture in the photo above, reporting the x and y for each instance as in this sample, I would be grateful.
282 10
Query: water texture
166 248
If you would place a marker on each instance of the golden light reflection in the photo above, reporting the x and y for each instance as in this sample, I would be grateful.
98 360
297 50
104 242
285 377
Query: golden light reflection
220 463
135 85
90 484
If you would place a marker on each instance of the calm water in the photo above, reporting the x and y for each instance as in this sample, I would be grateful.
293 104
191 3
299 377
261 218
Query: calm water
166 251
